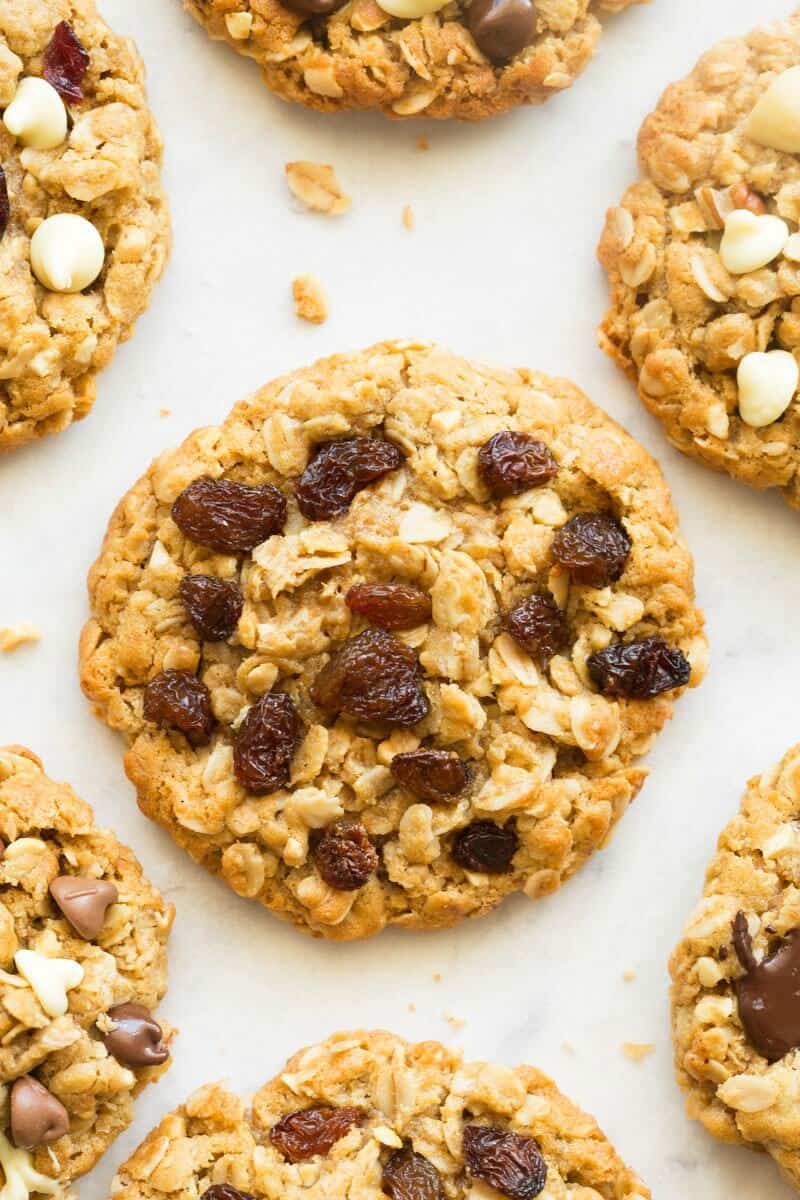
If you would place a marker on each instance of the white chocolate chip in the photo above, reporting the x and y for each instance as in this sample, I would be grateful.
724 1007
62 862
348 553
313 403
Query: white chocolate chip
21 1179
37 115
751 240
748 1093
767 384
411 10
708 972
714 1010
239 25
50 978
775 120
67 253
786 837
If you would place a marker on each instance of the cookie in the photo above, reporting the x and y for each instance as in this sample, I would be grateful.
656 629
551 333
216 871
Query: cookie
369 1114
434 58
82 962
703 259
84 225
389 643
735 1016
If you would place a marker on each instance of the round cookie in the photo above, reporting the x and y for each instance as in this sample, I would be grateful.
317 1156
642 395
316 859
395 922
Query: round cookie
369 1114
84 225
703 260
82 961
435 58
357 677
735 1015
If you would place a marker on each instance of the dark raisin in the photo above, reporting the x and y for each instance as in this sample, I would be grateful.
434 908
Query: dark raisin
639 670
374 677
390 605
486 847
538 625
339 470
229 517
213 605
66 61
309 1131
344 856
510 463
265 742
224 1191
409 1176
509 1162
593 547
179 700
5 206
431 774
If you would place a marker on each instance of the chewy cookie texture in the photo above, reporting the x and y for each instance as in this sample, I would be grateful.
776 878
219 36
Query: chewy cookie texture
84 227
433 58
734 997
388 644
703 259
82 962
369 1114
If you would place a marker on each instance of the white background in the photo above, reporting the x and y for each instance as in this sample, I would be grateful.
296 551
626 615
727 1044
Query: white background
501 267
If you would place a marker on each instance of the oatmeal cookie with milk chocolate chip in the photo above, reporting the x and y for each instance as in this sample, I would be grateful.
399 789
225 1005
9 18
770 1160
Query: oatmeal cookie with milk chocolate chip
372 1115
84 224
82 961
703 259
735 1011
389 643
436 58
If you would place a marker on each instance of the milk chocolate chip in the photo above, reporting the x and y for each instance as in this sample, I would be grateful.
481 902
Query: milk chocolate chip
502 28
37 1117
769 994
84 902
138 1040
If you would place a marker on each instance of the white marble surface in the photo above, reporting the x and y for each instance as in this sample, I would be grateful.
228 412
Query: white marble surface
501 266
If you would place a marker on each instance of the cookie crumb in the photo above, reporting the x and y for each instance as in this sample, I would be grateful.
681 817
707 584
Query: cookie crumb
14 636
408 218
310 301
437 977
452 1019
423 143
637 1051
568 1048
165 412
412 1006
629 975
316 186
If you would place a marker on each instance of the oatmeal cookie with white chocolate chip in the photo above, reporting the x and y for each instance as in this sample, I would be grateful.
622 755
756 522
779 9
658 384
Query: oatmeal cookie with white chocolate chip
735 1016
84 224
371 1115
435 58
82 961
390 642
703 259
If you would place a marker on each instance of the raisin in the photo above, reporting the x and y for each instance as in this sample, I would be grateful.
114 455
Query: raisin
509 1162
5 206
224 1191
344 856
265 742
339 470
229 517
486 847
213 605
538 625
593 547
309 1131
510 463
639 670
374 677
390 605
179 700
66 61
409 1176
431 774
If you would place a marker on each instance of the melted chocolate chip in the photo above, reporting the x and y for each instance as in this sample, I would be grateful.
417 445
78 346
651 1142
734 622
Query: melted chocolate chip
768 994
138 1040
84 902
502 28
37 1117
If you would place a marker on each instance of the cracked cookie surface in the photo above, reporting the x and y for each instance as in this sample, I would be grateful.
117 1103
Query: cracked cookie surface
360 56
106 170
394 1102
64 1097
733 1000
690 318
349 764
